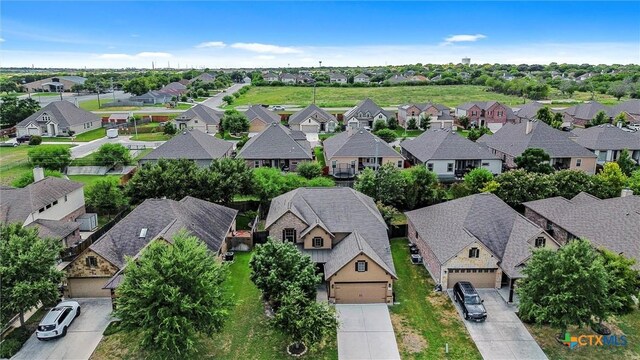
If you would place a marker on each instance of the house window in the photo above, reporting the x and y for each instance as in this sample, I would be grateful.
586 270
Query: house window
361 266
430 166
289 234
500 113
92 261
450 167
55 203
256 163
318 242
474 113
46 117
195 121
400 163
485 164
578 162
417 236
540 242
65 198
474 252
353 164
41 210
334 163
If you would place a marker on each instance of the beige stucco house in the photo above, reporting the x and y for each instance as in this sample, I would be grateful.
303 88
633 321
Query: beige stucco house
353 256
59 118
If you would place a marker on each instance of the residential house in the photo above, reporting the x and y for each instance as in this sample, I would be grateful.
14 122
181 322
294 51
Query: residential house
361 78
205 78
304 79
313 119
436 78
607 142
448 154
153 97
581 114
260 117
507 77
364 114
417 78
630 109
397 79
337 78
192 145
54 84
528 110
491 114
345 235
586 76
277 146
119 118
349 152
51 204
59 118
613 224
288 78
200 117
438 114
155 219
477 238
513 139
270 77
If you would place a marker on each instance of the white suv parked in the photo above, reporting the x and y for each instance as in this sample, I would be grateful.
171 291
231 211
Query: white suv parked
57 320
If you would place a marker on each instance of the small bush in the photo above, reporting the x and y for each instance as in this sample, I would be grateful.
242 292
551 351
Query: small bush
35 140
309 169
387 135
13 342
228 99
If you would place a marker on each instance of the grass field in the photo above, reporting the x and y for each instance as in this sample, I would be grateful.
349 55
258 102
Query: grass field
156 136
424 320
451 95
14 162
319 155
247 333
92 105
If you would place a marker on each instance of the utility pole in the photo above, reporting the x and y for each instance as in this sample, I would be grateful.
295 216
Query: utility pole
98 92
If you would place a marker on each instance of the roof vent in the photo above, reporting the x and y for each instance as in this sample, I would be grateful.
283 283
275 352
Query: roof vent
143 233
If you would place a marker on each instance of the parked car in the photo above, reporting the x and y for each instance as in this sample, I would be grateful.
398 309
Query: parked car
23 139
472 307
277 108
9 144
57 320
634 127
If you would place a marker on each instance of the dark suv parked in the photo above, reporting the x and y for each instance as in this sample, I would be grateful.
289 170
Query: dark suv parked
472 308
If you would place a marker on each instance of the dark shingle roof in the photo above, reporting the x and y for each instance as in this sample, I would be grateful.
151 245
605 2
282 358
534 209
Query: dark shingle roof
360 143
449 227
192 145
64 112
16 204
443 144
529 110
54 228
630 106
364 106
611 223
207 221
257 111
204 77
313 111
588 110
337 208
208 115
606 137
513 140
484 105
277 142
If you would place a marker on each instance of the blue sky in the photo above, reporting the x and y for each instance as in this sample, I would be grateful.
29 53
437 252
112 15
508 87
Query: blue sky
230 34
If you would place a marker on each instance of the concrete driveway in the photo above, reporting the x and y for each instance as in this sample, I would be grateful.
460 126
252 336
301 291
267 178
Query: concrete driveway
366 332
82 337
502 336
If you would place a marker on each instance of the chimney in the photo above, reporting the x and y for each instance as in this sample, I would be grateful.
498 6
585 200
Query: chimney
38 174
626 192
529 127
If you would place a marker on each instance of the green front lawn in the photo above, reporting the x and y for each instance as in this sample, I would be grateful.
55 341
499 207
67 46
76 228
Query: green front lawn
90 135
92 105
318 151
157 136
400 132
14 162
424 320
628 325
247 333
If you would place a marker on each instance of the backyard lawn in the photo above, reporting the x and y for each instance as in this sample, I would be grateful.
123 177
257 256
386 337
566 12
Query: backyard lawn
156 136
450 95
14 162
90 180
92 105
424 320
319 155
628 325
247 333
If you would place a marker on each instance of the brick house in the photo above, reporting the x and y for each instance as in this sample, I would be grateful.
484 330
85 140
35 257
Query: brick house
277 146
364 114
581 114
354 257
192 145
460 240
438 114
491 114
260 117
101 263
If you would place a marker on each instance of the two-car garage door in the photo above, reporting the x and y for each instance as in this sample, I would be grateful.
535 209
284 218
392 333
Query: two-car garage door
88 287
361 293
480 278
312 128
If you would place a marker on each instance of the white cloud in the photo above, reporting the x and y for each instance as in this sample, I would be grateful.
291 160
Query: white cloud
211 44
463 38
266 48
1 40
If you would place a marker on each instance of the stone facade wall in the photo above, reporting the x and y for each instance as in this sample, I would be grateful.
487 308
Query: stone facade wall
287 220
461 260
78 267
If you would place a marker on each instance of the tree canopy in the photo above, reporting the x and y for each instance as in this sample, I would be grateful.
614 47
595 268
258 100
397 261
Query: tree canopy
14 110
534 160
235 122
111 155
50 157
105 197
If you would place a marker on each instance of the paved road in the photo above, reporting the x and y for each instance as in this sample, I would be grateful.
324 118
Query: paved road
72 97
216 101
502 336
366 332
82 337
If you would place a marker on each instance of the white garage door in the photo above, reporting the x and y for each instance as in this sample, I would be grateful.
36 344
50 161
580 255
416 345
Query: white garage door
361 293
88 287
480 278
309 128
33 131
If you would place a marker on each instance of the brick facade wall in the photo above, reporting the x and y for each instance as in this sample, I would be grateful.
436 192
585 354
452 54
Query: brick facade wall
430 260
75 214
559 234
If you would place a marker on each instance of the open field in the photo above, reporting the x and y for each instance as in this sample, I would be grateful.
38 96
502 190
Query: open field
424 320
451 95
92 105
14 162
246 335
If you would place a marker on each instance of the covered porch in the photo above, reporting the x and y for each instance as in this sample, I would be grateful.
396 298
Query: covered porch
462 167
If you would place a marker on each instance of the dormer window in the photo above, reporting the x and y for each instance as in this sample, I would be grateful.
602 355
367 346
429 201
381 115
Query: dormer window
361 266
318 242
46 117
474 252
360 114
540 242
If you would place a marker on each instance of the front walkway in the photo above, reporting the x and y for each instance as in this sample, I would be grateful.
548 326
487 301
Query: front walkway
502 336
366 332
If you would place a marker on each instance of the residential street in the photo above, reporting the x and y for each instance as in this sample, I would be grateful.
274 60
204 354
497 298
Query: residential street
82 337
74 98
216 101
